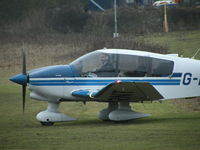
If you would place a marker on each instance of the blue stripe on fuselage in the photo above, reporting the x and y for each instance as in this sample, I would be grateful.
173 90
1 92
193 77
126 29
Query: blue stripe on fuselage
100 82
176 75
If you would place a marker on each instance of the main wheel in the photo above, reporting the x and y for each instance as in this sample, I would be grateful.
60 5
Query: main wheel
47 123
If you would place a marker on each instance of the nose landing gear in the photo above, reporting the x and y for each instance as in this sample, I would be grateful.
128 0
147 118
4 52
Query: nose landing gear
52 115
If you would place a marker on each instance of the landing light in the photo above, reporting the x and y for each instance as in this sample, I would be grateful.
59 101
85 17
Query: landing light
118 81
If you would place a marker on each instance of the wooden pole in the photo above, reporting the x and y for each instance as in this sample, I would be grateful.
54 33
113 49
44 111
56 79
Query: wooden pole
165 23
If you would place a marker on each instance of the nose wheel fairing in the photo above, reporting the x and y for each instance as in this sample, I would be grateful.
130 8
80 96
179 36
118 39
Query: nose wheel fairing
51 115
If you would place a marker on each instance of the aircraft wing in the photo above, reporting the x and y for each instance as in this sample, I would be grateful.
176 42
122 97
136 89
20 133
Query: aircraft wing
123 91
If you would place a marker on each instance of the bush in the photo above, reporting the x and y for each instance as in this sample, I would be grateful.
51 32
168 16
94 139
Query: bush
12 10
143 20
66 19
99 24
130 20
184 19
140 21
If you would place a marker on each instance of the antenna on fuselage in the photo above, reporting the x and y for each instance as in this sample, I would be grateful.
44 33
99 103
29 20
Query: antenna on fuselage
193 57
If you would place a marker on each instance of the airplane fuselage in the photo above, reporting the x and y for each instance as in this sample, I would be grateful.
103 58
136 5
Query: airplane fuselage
184 81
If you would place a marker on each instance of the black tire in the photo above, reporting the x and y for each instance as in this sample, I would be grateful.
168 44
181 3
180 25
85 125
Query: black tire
47 123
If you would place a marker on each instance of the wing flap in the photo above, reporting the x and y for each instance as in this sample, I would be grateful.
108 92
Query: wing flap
123 91
131 91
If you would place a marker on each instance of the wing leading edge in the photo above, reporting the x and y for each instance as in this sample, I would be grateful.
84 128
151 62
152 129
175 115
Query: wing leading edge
123 91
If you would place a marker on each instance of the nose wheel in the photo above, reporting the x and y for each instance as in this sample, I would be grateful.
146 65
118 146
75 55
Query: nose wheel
47 123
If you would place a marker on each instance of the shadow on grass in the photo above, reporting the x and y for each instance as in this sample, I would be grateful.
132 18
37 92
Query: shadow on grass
100 123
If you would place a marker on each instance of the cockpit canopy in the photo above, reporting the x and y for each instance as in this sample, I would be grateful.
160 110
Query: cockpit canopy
107 64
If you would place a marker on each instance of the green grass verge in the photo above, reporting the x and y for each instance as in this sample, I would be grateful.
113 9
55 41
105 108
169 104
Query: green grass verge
182 43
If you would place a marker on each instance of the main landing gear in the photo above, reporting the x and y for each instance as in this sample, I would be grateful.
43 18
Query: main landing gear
120 111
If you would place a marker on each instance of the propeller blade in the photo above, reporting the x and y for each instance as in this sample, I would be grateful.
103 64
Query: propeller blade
23 97
24 85
23 62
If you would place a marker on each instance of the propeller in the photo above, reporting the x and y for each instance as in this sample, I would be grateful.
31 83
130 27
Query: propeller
22 79
24 85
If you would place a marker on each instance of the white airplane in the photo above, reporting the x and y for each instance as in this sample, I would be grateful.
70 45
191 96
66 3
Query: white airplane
113 76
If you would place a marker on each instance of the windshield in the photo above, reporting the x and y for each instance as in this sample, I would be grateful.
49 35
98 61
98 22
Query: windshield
96 64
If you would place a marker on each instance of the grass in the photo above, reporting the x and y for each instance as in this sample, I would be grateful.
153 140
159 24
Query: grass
182 43
169 128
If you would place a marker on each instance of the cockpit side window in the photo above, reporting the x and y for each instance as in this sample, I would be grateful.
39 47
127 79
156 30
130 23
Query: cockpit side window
161 68
141 66
107 65
133 66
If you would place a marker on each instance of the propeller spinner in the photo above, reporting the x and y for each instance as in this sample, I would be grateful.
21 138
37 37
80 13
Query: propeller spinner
22 79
